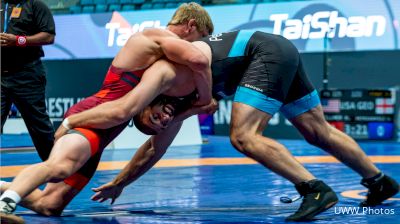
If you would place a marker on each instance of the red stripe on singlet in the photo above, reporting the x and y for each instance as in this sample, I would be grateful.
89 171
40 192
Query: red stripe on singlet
118 82
102 93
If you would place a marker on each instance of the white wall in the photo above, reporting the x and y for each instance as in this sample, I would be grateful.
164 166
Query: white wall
130 137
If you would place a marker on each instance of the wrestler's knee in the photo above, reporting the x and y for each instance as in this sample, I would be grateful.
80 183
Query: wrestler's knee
49 207
55 197
318 135
58 171
240 139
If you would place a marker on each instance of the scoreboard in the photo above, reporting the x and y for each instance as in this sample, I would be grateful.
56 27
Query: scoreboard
361 113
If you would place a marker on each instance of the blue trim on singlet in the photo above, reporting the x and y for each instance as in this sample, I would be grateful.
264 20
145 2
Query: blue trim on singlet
133 75
239 46
132 84
257 100
301 105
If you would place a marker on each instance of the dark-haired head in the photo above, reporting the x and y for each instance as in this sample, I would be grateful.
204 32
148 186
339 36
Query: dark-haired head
156 117
141 126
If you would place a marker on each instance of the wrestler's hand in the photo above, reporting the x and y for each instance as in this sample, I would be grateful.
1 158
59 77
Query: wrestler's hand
207 109
211 107
107 191
204 99
60 132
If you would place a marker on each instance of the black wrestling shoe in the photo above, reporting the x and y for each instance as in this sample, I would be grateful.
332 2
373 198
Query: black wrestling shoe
379 190
7 206
318 197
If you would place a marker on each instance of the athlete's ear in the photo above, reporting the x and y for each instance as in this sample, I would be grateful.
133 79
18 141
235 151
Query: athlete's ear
192 25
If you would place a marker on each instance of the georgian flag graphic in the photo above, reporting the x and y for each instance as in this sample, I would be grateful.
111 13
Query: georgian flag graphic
384 106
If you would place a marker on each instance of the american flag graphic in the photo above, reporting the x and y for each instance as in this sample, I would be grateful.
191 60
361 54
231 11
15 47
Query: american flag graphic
384 106
331 106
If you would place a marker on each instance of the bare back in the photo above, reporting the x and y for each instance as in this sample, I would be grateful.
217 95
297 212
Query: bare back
177 79
141 50
184 83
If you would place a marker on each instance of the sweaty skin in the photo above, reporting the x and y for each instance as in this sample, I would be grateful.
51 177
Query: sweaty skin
131 59
154 44
141 50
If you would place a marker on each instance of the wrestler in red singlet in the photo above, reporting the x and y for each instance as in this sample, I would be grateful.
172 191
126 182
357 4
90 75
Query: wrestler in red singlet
115 85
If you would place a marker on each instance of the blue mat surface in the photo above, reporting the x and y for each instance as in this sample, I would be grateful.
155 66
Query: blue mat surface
218 193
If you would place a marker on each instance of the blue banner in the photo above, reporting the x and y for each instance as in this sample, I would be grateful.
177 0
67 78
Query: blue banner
313 26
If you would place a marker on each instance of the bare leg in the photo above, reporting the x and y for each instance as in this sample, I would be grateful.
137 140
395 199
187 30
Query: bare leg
29 199
49 202
55 197
68 155
247 125
246 135
318 132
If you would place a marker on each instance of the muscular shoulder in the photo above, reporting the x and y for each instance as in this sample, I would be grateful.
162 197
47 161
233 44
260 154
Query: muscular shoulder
161 74
167 67
156 33
204 48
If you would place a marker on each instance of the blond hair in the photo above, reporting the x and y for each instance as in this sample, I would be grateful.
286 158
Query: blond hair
192 10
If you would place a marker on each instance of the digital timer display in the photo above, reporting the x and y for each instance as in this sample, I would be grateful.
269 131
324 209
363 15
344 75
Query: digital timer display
361 113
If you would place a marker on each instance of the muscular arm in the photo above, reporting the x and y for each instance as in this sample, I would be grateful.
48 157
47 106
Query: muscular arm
147 156
197 57
152 84
207 109
144 159
154 81
184 52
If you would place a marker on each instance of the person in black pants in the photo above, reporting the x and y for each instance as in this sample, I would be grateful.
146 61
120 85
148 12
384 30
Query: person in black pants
26 26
